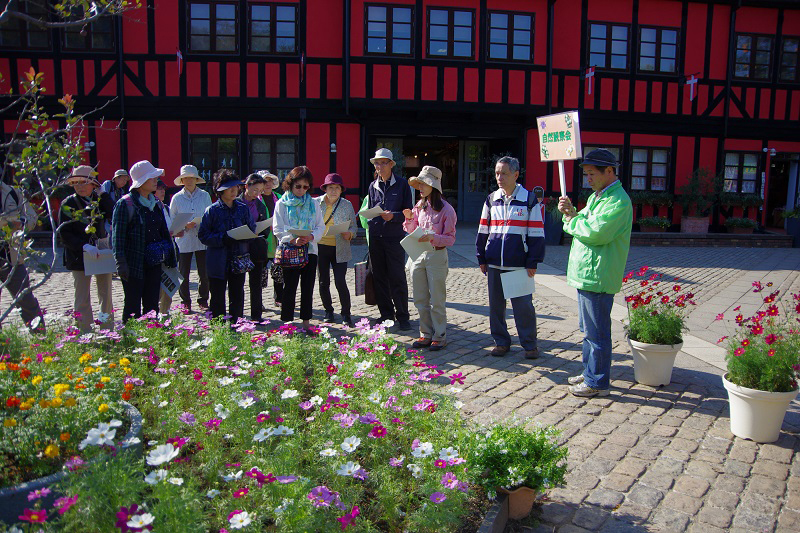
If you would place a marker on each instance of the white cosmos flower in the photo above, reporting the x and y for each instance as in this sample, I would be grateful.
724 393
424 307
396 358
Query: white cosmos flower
226 381
448 453
263 435
279 509
283 430
240 520
458 404
423 450
233 476
162 454
239 372
176 480
247 402
328 452
454 390
350 444
374 397
99 362
245 364
221 411
154 477
99 436
348 469
316 400
164 403
339 393
415 470
213 493
165 385
113 423
289 393
363 366
141 520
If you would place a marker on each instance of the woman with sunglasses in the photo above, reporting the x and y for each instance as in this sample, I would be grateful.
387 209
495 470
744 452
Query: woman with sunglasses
297 210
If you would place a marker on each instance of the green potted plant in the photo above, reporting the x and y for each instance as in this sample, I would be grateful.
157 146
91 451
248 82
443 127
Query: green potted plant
519 462
763 363
734 199
654 224
792 217
656 321
697 197
740 225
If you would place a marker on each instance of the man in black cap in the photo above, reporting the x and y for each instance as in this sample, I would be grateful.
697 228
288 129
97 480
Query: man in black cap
601 238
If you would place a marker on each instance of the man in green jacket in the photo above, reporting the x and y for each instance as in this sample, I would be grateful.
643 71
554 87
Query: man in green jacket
601 238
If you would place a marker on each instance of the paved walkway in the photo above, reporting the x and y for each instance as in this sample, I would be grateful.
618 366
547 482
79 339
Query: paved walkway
645 458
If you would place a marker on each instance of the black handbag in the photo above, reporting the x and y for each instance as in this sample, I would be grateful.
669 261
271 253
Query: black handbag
258 250
276 272
158 252
241 263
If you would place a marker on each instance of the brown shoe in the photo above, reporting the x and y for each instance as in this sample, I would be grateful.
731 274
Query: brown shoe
532 354
422 342
500 351
437 345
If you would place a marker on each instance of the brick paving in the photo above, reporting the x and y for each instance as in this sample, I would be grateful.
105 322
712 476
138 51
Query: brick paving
643 459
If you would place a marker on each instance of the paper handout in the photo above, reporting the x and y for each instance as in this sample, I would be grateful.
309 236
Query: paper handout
369 214
98 261
517 283
197 220
179 221
413 247
300 232
170 280
264 224
241 233
337 229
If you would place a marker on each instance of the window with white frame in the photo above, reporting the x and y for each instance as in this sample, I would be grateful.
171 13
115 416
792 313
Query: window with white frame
649 169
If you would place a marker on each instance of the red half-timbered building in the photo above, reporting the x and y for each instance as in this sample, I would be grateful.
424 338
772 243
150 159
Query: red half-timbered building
669 85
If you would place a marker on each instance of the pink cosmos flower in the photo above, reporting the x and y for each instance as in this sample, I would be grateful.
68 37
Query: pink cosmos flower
438 497
34 516
63 504
38 493
771 338
440 463
738 351
377 432
348 518
457 378
241 492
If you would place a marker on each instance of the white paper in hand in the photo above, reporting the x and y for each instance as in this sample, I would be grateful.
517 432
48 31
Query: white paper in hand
98 261
413 247
263 225
517 283
300 232
337 229
179 221
241 233
369 214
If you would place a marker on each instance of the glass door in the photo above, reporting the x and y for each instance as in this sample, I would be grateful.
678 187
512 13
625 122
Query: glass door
476 181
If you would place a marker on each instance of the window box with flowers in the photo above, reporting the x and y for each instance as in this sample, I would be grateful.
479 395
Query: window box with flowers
763 359
654 224
740 225
656 321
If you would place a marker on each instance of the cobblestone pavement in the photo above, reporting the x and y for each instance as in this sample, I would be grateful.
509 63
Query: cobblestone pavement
643 459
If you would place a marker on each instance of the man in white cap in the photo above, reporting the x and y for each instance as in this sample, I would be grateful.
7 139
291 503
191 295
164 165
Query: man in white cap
142 242
191 199
387 257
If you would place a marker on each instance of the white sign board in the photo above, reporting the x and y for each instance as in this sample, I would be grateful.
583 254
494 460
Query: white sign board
560 139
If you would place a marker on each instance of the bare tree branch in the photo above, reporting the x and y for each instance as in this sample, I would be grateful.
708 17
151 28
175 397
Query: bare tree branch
110 8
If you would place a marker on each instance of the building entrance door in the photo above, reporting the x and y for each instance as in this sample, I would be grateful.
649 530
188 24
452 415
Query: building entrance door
475 180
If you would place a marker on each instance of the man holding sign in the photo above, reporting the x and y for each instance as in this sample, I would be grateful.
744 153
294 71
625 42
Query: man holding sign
601 239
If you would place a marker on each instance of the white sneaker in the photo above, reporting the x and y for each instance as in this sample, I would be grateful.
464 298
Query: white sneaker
575 380
585 391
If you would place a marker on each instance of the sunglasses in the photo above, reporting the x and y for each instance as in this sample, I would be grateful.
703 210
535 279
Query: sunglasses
302 187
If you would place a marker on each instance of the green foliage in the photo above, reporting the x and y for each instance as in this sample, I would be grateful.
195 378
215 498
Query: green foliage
664 327
584 194
511 456
737 222
792 213
551 206
764 352
659 222
700 193
657 308
657 198
732 199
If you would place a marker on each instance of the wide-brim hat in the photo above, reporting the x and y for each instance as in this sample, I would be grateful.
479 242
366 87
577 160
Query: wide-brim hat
428 175
269 176
228 184
599 157
83 173
383 153
121 172
333 179
189 171
142 171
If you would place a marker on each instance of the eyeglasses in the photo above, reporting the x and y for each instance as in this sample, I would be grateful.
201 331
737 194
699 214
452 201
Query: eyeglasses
302 187
381 163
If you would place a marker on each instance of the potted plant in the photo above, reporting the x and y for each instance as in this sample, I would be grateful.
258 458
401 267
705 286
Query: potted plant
552 221
654 224
518 462
656 320
697 197
740 225
792 217
763 363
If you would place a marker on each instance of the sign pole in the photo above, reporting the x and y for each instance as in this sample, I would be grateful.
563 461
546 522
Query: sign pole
561 178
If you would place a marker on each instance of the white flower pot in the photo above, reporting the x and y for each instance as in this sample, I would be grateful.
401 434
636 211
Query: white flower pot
756 414
652 363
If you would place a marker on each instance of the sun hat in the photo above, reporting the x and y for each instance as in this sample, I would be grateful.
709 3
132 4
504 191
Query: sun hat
227 184
599 157
383 153
269 176
189 171
121 172
333 179
428 175
142 171
81 173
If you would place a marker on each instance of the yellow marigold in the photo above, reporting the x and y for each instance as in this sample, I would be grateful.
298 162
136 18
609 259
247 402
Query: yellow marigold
2 366
85 357
56 402
51 451
128 371
60 388
44 404
64 437
36 380
124 361
25 360
24 406
112 365
103 407
48 360
71 402
10 422
88 370
105 379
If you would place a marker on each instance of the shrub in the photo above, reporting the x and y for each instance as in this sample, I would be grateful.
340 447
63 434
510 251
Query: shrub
659 222
737 222
656 308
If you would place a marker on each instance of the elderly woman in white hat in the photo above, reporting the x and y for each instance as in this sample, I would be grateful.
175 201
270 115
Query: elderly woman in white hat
385 231
429 272
142 242
191 199
78 230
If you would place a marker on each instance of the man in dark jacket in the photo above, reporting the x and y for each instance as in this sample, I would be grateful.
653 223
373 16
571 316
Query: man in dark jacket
387 257
82 227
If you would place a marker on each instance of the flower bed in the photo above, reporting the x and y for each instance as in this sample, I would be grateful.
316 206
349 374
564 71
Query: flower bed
265 432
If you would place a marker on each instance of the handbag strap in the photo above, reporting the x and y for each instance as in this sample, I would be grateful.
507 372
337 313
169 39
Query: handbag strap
334 210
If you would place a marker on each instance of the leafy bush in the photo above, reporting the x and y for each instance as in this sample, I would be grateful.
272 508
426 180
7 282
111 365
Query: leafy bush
657 198
512 456
738 199
792 213
700 193
656 308
737 222
659 222
764 353
584 194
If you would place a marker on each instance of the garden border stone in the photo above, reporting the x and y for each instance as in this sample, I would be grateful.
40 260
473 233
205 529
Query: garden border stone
496 517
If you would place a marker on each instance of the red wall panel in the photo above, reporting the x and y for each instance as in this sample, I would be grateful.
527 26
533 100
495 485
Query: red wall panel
192 79
571 91
358 80
708 157
733 109
642 139
272 74
232 75
107 150
46 68
795 112
660 13
719 41
535 170
780 104
318 150
655 102
88 76
429 83
169 153
213 80
757 20
313 81
334 82
199 127
538 85
381 81
695 38
624 93
134 29
450 84
150 76
766 97
273 128
672 98
719 110
69 77
602 138
743 145
405 83
791 21
607 95
5 82
138 141
568 52
471 85
110 88
751 102
684 159
516 87
608 11
348 138
494 86
554 89
167 22
23 66
324 20
252 80
292 81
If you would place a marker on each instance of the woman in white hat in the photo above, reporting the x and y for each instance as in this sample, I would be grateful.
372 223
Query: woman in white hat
142 242
82 226
429 272
191 199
